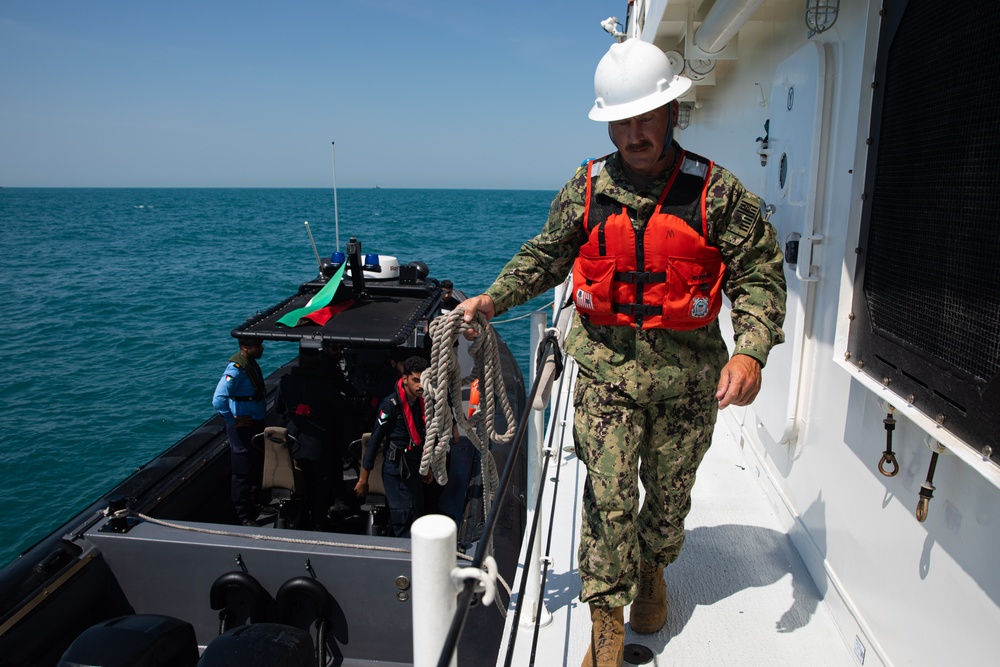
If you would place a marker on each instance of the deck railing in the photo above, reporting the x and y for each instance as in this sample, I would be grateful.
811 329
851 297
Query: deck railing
549 365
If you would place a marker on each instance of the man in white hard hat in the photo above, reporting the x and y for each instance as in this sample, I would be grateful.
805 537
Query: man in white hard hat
654 236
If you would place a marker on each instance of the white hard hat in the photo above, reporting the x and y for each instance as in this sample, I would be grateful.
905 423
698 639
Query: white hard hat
632 78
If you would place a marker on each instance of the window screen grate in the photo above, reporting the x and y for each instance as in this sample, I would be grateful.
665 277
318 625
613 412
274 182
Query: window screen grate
932 277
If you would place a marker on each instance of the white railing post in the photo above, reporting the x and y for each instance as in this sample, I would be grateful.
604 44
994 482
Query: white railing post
434 594
536 433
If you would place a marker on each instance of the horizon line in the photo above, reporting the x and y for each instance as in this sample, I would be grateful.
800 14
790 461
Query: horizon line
255 187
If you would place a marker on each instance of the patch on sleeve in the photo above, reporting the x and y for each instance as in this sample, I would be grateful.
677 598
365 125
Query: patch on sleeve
229 378
745 220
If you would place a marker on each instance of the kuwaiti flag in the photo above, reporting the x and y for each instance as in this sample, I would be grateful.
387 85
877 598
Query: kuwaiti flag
319 309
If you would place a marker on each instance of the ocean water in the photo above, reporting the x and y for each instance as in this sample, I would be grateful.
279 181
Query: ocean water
118 303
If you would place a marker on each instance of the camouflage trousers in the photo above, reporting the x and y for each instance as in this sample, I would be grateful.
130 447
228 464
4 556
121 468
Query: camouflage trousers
623 442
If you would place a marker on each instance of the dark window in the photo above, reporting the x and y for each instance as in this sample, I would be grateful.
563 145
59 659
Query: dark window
927 295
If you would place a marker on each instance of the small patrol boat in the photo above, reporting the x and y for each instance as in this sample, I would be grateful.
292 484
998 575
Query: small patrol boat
160 571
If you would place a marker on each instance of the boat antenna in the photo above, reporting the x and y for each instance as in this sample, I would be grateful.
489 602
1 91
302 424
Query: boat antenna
336 217
315 251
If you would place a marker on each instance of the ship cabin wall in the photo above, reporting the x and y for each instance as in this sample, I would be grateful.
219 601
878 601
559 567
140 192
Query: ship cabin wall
903 592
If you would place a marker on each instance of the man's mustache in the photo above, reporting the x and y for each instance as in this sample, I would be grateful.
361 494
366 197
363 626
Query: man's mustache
639 146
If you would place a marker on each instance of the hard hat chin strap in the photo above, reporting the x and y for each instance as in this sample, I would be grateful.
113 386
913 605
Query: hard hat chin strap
669 139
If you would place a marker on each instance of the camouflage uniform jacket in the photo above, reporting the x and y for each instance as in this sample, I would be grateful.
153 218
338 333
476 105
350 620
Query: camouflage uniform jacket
658 363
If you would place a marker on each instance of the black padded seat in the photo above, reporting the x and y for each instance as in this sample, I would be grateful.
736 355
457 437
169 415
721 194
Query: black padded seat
138 640
260 645
305 603
240 598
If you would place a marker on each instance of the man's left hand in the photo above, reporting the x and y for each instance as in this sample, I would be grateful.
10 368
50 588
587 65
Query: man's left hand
739 381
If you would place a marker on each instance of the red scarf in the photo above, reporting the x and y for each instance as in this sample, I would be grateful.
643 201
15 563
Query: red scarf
416 428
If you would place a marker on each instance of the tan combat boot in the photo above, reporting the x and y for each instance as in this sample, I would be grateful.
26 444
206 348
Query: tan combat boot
607 637
649 610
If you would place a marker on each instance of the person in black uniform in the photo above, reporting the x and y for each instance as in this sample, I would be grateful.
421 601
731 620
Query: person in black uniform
448 300
389 375
400 427
320 407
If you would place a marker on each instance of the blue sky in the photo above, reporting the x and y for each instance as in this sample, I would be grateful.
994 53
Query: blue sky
432 94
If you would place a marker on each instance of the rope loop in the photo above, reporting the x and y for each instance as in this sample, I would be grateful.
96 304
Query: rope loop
486 580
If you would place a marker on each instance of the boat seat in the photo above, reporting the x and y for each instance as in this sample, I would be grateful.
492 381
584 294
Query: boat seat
281 476
138 640
376 503
260 645
240 598
303 602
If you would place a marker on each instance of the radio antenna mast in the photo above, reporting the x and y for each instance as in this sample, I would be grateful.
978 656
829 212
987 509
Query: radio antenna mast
313 244
336 216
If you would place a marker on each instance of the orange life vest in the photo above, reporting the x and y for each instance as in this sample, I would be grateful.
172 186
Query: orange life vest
668 277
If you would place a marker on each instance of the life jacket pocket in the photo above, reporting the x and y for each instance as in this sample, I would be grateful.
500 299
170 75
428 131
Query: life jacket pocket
694 295
592 284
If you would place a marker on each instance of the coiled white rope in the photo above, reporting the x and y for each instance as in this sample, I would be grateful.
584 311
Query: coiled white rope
442 383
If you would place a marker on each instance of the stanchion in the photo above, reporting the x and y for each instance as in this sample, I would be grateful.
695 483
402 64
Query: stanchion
434 602
536 427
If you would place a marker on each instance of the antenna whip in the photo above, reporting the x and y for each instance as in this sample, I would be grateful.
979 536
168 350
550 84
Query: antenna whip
336 217
315 251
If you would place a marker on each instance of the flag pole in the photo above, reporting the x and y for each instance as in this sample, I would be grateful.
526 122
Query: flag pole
336 216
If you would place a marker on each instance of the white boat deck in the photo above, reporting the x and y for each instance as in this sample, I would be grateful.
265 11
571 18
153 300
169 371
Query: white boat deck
738 595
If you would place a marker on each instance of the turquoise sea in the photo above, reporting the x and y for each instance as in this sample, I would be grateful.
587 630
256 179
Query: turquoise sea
118 303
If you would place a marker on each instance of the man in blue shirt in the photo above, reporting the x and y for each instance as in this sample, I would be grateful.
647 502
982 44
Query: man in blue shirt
240 399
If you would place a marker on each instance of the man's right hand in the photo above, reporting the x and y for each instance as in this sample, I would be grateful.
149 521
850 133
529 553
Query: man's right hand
361 488
477 304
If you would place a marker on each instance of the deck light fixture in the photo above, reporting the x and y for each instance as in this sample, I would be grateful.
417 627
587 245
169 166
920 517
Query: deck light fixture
821 14
684 115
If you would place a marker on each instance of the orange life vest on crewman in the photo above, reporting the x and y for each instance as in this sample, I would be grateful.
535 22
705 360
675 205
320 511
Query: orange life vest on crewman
667 278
